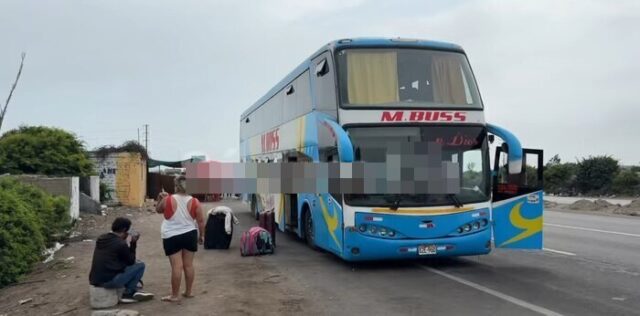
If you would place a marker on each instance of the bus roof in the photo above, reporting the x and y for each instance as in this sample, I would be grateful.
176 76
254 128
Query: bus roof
365 42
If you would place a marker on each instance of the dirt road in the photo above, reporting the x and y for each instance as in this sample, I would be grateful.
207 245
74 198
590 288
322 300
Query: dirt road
226 284
589 266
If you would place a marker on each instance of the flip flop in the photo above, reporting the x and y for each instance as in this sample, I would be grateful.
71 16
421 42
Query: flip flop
170 299
187 296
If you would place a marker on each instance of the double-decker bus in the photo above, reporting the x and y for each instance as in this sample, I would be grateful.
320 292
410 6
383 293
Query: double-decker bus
355 98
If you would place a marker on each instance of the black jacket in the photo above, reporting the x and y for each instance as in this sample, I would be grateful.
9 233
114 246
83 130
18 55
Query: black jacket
110 257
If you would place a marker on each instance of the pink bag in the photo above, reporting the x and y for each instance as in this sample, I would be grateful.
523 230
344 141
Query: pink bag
257 241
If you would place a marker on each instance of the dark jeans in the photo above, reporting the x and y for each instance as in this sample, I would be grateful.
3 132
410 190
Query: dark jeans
128 279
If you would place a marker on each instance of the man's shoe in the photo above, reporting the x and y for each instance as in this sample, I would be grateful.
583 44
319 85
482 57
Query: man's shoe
142 296
126 299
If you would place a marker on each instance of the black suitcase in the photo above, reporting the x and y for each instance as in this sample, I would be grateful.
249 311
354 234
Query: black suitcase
267 220
215 235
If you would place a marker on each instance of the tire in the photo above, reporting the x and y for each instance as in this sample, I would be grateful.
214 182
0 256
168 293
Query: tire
309 232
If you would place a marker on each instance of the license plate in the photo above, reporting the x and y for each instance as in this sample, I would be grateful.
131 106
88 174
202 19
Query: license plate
427 250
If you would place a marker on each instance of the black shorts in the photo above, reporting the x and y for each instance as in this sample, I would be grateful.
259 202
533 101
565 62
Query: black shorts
187 241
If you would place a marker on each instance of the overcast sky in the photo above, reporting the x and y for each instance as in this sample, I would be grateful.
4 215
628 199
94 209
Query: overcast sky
563 76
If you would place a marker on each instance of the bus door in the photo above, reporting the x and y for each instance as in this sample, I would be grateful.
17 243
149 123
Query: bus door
517 203
291 202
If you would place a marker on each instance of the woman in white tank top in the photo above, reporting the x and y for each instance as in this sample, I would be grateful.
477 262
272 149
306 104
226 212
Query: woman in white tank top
183 220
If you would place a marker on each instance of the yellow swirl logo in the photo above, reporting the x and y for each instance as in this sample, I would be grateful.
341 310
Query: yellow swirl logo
529 226
330 220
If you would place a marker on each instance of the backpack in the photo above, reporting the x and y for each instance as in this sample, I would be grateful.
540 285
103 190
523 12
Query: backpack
257 241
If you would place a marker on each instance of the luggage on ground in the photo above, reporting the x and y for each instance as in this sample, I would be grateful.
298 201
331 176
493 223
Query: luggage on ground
257 241
216 236
267 220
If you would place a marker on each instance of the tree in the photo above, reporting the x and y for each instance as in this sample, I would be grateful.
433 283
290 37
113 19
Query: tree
595 174
43 150
3 110
560 178
471 177
31 220
555 160
531 176
627 182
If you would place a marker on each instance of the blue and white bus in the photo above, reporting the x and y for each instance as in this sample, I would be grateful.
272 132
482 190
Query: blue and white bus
355 94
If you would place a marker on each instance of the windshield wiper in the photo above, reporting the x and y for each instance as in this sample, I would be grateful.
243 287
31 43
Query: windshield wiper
396 202
455 200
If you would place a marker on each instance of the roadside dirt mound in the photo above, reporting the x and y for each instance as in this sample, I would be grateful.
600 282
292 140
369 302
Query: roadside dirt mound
550 204
635 204
603 203
597 205
632 209
583 205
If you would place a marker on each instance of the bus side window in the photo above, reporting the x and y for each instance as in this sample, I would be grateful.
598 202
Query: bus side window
322 77
329 154
322 68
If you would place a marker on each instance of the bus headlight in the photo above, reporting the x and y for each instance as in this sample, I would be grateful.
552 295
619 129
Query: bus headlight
473 226
378 231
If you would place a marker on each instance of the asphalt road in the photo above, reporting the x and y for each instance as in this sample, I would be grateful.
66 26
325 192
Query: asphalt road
590 266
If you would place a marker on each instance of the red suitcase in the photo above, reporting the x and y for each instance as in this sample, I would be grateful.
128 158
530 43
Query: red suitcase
267 220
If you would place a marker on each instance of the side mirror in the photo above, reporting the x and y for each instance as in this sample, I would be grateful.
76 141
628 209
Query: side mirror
514 149
491 138
342 140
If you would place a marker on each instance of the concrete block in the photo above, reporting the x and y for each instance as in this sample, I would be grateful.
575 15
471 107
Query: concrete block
108 312
116 312
88 205
100 297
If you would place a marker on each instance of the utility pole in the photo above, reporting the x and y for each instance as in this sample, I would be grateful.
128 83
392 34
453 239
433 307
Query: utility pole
3 110
138 135
146 137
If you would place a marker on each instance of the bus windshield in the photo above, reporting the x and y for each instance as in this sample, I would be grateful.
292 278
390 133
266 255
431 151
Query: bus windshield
464 145
405 78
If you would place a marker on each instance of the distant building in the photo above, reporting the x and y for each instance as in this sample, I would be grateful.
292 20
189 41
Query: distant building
125 173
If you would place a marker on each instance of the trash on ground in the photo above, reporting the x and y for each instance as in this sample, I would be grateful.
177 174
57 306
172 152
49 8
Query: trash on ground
51 251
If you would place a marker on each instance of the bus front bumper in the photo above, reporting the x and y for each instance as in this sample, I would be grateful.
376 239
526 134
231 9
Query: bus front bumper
359 247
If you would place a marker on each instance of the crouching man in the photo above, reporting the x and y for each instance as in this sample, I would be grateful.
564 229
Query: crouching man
114 262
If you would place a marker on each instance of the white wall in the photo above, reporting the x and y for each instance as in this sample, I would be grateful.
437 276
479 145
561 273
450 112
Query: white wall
94 184
74 208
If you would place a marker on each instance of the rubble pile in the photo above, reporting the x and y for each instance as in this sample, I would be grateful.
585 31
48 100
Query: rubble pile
584 205
632 208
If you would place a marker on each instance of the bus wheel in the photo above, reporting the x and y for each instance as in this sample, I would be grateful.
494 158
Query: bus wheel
309 233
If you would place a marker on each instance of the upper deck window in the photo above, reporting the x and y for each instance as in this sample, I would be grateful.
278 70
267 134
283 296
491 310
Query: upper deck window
405 78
